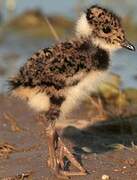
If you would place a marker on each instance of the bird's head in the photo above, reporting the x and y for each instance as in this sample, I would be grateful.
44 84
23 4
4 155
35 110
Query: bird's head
104 28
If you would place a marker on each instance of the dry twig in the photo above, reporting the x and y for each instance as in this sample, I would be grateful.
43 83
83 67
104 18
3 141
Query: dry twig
22 176
12 120
6 149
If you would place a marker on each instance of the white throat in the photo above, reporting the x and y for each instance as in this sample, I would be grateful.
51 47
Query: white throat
100 43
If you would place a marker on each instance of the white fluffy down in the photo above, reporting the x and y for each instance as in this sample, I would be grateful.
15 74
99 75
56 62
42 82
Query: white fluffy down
82 27
39 102
81 91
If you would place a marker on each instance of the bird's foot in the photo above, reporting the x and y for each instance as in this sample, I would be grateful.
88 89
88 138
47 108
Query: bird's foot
59 156
64 156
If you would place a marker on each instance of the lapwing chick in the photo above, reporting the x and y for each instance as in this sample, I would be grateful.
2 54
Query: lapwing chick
54 80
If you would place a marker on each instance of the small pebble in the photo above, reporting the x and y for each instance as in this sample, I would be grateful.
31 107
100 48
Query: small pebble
116 170
105 177
86 149
4 125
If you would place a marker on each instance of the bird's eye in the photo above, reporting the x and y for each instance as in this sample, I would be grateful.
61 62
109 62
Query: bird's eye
106 29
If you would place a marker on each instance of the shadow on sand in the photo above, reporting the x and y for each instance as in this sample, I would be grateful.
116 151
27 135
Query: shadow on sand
103 136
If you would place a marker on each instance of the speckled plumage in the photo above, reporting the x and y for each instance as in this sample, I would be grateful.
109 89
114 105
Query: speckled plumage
59 76
54 69
57 65
56 79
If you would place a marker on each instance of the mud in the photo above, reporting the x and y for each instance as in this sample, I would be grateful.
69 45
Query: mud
105 147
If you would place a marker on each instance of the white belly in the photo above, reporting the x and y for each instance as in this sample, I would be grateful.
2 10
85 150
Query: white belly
81 91
74 95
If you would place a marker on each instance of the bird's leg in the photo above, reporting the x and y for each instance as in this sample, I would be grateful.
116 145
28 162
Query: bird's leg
58 151
52 143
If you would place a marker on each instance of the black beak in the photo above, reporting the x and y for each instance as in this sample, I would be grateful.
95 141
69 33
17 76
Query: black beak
128 45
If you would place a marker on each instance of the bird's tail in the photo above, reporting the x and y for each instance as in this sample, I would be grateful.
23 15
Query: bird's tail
13 83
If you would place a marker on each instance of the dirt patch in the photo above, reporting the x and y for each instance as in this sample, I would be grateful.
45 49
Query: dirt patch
106 148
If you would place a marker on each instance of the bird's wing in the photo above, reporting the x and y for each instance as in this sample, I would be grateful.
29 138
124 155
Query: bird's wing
51 66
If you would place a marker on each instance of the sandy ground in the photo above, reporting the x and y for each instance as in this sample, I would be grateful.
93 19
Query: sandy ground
104 147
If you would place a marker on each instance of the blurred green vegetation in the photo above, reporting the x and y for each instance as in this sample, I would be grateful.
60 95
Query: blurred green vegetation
113 95
33 22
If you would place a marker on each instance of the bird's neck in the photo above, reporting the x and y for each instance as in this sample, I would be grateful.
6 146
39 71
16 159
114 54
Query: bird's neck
97 43
92 45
